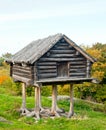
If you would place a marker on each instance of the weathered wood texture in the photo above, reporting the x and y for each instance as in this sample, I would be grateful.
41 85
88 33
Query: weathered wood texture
23 95
71 110
23 73
23 109
54 99
63 60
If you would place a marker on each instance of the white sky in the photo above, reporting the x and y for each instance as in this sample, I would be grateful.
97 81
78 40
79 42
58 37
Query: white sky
22 21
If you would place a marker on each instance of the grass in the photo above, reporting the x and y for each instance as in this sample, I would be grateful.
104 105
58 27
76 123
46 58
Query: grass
85 117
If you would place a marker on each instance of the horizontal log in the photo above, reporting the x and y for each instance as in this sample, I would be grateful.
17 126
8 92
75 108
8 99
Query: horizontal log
62 51
22 74
22 79
46 67
83 62
77 76
22 67
22 70
46 63
78 70
47 71
47 75
61 47
63 43
61 59
71 74
62 55
79 66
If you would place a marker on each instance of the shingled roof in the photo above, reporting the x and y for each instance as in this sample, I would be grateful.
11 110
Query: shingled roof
36 49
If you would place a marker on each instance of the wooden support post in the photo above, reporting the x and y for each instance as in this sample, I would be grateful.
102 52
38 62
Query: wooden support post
37 104
41 108
36 111
54 101
40 97
23 109
54 98
23 95
71 111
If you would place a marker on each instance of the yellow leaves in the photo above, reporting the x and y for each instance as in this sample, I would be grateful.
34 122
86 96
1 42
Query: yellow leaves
99 70
99 66
95 53
95 65
63 90
99 75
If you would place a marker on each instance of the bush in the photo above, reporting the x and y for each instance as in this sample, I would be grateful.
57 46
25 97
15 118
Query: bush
63 89
46 90
1 61
7 83
89 91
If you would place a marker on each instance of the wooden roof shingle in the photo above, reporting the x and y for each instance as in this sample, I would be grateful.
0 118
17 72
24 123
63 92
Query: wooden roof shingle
36 49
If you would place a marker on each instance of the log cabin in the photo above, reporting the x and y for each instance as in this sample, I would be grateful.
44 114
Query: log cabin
52 60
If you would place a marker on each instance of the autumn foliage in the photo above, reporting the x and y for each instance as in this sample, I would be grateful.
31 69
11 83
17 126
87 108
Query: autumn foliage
3 76
95 92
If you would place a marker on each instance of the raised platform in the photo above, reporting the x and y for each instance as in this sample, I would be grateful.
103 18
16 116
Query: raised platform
60 80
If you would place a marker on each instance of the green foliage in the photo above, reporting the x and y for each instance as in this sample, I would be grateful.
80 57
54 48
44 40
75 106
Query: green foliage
101 93
90 91
7 85
46 90
11 87
30 91
1 61
63 89
3 57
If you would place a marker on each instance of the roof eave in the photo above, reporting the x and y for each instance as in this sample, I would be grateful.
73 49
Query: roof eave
79 49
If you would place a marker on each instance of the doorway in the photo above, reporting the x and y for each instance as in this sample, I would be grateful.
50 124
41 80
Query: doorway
62 69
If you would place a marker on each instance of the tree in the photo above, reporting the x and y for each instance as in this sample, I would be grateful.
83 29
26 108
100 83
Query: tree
96 92
1 61
6 55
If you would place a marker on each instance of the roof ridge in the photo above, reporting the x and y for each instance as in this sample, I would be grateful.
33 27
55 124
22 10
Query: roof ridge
34 50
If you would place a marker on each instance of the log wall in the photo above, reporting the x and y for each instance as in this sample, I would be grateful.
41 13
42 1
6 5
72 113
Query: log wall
79 66
23 73
62 55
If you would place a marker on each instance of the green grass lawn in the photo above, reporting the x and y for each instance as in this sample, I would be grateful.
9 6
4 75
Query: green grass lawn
85 117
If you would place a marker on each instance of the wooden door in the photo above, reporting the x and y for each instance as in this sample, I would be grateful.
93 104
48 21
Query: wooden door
62 69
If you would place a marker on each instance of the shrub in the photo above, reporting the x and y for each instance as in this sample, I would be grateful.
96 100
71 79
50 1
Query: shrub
1 61
46 90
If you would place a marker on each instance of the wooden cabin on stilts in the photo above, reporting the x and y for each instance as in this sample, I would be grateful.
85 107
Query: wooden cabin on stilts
54 60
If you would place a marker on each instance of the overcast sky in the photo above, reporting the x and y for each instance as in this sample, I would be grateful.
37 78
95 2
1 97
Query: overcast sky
22 21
